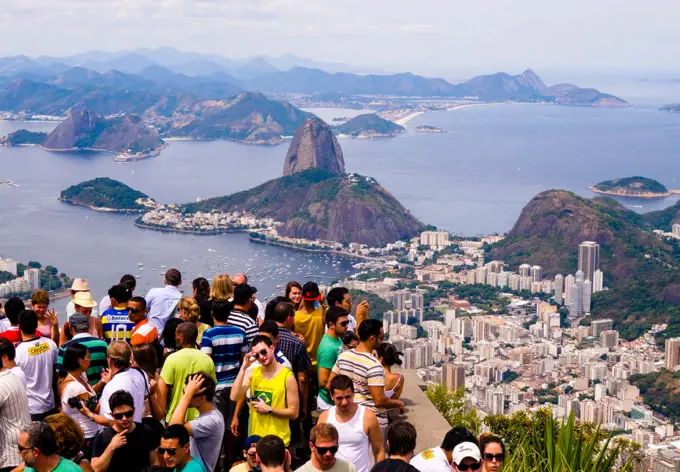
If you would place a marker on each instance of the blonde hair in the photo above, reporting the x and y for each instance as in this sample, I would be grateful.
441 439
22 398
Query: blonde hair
222 287
191 308
40 296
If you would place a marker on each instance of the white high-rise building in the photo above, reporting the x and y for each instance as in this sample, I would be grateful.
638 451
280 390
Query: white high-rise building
568 282
33 277
588 258
559 288
8 265
399 300
503 279
417 301
672 353
587 295
524 270
676 229
537 273
480 275
437 239
598 281
525 283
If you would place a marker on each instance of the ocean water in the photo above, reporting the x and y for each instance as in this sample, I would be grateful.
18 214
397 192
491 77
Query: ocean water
473 179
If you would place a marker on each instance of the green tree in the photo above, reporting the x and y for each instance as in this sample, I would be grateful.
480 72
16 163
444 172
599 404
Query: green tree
52 270
34 265
454 407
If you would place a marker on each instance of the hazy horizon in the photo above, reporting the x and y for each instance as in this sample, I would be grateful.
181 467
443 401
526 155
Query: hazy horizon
451 39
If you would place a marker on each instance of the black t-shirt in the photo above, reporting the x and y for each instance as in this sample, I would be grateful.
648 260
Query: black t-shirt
132 457
393 465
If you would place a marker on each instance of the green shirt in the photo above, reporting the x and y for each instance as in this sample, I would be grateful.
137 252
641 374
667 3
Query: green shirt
178 366
63 466
194 466
329 350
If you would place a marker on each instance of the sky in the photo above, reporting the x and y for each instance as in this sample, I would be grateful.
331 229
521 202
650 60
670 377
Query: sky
443 37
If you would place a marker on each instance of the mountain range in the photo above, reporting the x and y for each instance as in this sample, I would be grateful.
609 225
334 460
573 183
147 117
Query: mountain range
215 77
642 271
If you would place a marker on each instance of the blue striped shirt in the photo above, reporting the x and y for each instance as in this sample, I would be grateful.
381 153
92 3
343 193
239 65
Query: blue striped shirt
117 325
225 344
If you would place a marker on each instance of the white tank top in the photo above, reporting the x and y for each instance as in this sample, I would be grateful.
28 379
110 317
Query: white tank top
355 447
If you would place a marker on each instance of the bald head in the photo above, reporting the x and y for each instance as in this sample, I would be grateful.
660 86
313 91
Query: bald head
186 334
239 279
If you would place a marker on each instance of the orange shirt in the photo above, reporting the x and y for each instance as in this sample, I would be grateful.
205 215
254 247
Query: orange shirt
143 333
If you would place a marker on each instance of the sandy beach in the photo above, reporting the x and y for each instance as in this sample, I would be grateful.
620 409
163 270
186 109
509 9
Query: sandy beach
403 121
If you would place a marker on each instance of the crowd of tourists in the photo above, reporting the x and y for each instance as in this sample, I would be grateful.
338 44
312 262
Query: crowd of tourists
212 382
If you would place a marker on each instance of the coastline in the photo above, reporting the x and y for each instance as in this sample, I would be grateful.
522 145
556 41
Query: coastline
100 209
403 121
326 251
647 195
189 231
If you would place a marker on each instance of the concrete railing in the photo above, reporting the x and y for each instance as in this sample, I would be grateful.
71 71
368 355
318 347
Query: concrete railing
421 413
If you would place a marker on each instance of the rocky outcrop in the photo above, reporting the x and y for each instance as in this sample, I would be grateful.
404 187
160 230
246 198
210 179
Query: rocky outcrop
317 204
369 125
314 147
86 130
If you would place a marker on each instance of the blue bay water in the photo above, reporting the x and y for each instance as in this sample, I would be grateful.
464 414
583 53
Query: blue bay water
474 179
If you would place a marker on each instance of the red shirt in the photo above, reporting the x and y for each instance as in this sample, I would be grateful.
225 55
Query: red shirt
14 335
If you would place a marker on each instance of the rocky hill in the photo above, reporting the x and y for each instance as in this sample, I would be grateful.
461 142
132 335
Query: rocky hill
86 130
314 147
104 194
317 204
250 117
23 137
369 125
528 87
642 270
640 187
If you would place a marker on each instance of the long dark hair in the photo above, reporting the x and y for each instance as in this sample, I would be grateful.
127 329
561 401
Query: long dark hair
73 354
202 287
389 354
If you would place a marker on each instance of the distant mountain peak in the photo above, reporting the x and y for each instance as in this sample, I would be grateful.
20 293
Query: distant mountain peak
314 147
531 79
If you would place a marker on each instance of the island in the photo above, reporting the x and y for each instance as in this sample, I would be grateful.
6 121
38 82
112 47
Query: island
23 137
638 187
369 125
105 194
429 129
671 108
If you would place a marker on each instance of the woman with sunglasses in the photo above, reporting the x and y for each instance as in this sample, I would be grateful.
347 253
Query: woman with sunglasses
493 452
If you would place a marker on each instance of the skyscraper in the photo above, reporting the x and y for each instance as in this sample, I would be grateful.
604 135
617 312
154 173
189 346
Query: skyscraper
588 258
672 353
577 296
559 288
453 376
537 273
525 270
568 282
33 277
587 295
598 281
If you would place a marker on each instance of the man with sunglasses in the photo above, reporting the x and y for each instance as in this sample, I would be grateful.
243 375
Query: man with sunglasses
440 458
175 450
143 332
127 445
274 391
337 321
466 457
249 454
323 441
37 446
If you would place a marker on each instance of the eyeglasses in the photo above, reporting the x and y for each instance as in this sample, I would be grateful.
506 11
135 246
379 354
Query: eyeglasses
344 323
473 466
490 457
22 449
132 310
171 452
252 455
262 353
324 450
125 414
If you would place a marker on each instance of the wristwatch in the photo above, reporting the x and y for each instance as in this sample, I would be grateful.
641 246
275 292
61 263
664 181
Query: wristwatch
270 411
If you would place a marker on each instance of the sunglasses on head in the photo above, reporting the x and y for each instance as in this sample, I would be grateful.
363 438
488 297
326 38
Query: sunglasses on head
125 414
262 353
473 466
324 450
171 452
489 457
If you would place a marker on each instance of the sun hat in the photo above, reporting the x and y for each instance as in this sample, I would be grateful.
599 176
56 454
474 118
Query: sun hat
80 285
84 299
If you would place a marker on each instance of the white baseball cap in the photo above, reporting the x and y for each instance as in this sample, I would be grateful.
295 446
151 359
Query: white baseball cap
466 449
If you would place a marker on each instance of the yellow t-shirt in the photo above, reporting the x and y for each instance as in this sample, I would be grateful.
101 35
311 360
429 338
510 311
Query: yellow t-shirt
311 326
273 393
